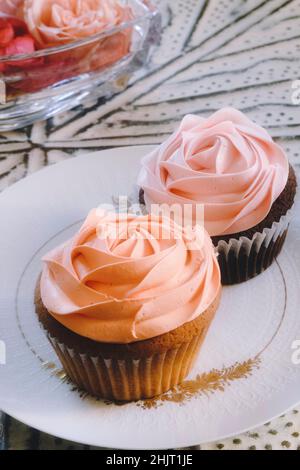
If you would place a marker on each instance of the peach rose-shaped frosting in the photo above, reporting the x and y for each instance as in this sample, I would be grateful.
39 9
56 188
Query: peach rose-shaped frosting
124 278
55 22
226 162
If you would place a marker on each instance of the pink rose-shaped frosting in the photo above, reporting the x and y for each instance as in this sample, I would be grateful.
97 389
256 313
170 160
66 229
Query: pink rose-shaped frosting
124 278
55 22
226 162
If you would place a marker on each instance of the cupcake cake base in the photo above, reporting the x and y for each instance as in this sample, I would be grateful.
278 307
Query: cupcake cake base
127 372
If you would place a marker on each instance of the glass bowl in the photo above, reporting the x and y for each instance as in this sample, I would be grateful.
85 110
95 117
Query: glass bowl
37 86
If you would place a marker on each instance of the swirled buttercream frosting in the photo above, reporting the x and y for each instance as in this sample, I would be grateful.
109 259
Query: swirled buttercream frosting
226 163
124 278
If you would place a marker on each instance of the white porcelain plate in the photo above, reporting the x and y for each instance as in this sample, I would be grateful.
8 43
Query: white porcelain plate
247 369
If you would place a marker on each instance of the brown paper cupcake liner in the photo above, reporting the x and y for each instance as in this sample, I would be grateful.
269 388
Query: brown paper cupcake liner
129 379
244 258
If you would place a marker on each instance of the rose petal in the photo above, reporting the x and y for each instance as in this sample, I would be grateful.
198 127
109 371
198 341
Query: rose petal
6 32
2 64
20 45
10 7
20 27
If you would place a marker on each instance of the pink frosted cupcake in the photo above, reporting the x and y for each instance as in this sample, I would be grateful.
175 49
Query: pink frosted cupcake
241 177
127 302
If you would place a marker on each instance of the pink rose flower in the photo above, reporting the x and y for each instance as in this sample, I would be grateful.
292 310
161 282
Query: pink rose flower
56 22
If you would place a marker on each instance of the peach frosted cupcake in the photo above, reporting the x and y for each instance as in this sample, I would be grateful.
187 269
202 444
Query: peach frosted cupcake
241 177
127 302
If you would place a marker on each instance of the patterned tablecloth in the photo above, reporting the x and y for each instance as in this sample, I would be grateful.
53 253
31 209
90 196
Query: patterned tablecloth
244 53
